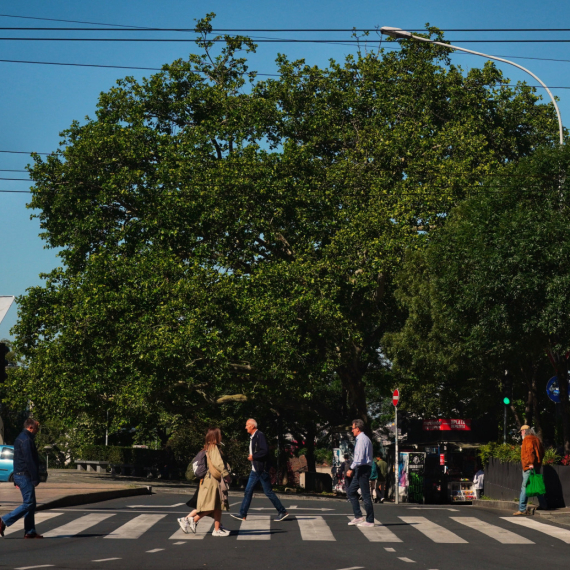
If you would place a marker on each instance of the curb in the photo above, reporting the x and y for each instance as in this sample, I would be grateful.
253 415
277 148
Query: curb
95 497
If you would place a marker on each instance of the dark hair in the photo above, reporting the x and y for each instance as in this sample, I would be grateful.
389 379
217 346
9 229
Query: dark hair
213 437
346 455
359 424
30 422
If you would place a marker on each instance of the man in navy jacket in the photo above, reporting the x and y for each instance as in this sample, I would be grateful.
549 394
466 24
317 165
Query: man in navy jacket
258 455
27 478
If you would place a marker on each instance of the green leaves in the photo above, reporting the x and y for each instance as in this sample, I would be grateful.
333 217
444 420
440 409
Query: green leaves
220 242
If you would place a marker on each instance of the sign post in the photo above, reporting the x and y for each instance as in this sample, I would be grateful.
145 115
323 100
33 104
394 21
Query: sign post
395 400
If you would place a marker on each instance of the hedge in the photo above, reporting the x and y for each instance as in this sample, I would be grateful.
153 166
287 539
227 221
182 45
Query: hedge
508 453
135 456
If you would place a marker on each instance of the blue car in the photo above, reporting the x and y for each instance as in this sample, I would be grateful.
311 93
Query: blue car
7 465
6 462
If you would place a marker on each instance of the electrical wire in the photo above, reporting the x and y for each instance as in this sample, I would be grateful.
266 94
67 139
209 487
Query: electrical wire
289 40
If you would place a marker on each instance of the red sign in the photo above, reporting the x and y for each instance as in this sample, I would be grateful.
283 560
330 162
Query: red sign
395 397
441 459
447 425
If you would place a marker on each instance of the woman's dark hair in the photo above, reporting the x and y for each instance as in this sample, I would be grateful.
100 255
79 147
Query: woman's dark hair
213 437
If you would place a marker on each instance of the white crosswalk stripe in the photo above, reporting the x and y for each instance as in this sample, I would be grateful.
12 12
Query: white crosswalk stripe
550 530
255 527
203 529
379 533
501 535
310 527
136 527
314 528
434 531
39 517
77 526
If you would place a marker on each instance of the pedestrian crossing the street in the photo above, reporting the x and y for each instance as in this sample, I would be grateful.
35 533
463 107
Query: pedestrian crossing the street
457 530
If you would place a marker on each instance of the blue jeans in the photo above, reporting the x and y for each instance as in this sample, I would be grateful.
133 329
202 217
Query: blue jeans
27 508
523 499
361 479
265 479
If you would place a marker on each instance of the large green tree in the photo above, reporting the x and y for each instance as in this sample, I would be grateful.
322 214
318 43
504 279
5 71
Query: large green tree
220 239
491 293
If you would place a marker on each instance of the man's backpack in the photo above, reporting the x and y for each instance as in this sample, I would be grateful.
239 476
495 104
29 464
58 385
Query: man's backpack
200 465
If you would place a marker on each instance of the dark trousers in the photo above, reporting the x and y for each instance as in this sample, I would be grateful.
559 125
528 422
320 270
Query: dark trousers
361 479
27 508
265 479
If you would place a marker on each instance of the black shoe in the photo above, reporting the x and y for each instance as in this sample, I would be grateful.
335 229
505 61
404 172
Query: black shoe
2 527
281 517
33 535
237 517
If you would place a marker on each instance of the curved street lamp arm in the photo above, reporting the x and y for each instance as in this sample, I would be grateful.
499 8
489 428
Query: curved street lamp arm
395 32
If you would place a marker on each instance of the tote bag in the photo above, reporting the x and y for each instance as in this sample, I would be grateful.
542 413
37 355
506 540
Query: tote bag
535 485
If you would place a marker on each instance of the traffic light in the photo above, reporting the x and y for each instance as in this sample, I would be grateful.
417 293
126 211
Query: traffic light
507 388
4 350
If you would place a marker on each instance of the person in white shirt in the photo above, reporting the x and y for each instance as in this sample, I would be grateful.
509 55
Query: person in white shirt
479 481
360 472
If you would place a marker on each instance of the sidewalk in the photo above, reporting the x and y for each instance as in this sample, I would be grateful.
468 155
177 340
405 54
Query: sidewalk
66 488
560 516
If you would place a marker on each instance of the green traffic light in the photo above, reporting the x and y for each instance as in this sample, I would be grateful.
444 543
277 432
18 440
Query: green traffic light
506 401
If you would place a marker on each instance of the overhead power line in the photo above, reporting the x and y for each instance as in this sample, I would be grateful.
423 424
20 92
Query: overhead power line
69 21
265 40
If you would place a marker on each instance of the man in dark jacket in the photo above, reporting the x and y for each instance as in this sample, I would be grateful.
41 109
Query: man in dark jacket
258 455
27 478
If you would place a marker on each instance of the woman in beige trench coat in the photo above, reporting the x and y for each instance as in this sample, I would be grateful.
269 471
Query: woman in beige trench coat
214 485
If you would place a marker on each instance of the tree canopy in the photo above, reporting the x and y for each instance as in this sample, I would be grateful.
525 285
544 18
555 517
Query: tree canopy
490 294
229 240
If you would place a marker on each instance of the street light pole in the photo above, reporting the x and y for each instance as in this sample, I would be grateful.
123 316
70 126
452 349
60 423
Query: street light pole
403 34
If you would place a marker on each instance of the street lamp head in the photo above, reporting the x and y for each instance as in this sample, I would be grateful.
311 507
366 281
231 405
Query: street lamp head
395 32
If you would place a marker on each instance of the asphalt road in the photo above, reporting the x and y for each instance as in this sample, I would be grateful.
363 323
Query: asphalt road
142 532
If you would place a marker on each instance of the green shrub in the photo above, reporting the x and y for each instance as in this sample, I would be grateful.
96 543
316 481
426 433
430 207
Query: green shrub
551 457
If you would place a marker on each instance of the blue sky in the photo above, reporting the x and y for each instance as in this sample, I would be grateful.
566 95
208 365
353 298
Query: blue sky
39 101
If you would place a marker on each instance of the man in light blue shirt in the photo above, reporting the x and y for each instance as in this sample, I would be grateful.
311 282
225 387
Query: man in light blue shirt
360 472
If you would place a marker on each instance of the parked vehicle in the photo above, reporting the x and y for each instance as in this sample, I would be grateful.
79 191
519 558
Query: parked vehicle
7 465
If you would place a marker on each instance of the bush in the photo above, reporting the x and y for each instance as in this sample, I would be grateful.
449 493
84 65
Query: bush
508 453
135 456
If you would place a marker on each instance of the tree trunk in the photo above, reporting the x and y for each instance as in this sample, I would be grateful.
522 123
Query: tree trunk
310 441
282 456
355 388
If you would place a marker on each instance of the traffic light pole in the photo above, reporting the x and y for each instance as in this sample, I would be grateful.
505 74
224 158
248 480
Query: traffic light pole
505 425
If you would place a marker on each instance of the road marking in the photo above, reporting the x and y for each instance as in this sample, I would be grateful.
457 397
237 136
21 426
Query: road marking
40 517
40 566
155 550
203 529
314 528
77 526
387 549
136 527
352 568
553 531
155 506
404 559
431 509
177 543
434 531
106 559
378 533
256 527
502 535
290 508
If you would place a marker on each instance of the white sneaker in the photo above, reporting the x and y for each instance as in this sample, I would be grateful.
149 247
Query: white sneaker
221 532
193 525
355 522
184 524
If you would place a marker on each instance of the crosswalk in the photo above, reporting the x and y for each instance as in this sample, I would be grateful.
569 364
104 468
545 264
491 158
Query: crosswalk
311 528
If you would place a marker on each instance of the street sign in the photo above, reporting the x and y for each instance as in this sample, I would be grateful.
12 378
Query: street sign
395 397
553 390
